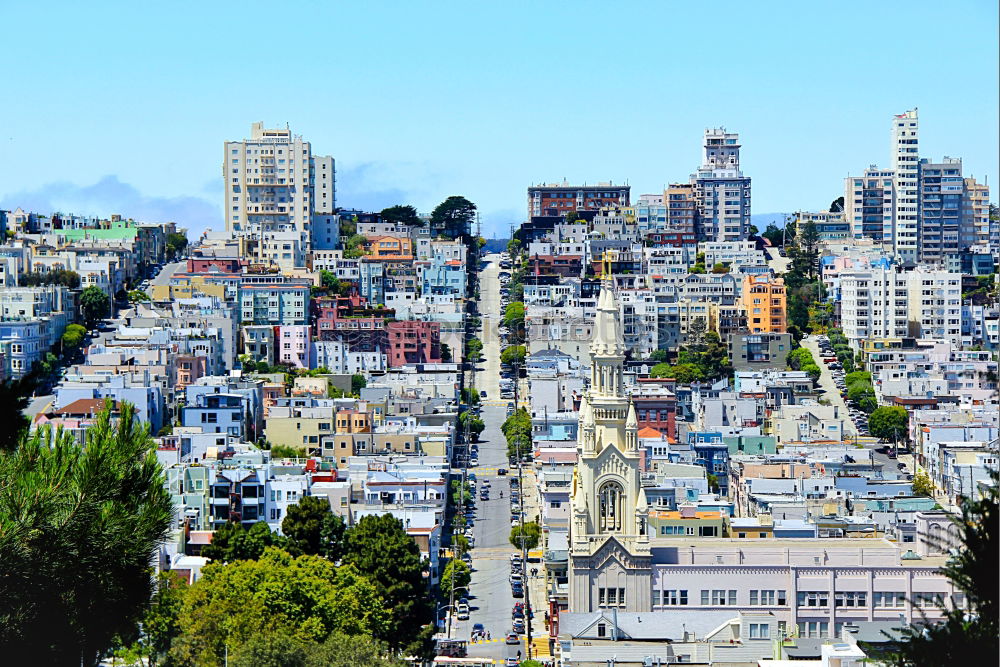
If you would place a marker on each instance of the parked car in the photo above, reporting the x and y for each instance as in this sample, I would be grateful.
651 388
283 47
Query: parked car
518 625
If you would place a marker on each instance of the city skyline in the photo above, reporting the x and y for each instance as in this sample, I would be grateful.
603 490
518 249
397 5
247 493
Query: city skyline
522 104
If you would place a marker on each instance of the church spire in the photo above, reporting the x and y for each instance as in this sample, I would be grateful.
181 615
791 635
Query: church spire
608 339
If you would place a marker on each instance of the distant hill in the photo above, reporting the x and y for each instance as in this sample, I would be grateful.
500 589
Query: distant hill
762 220
495 245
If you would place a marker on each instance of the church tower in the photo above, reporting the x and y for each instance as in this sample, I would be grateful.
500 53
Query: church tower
608 502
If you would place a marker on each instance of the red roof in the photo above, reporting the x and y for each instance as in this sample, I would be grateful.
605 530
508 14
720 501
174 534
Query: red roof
82 406
649 433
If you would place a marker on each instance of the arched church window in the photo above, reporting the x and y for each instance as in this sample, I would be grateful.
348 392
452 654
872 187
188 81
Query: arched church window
611 506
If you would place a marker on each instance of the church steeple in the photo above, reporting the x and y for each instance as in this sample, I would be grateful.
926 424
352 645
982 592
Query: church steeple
607 349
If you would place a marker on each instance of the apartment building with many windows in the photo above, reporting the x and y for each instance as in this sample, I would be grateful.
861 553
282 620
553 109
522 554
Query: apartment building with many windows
721 190
277 191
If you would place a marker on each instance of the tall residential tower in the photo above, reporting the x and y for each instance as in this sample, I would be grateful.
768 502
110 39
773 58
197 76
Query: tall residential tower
906 165
721 189
280 198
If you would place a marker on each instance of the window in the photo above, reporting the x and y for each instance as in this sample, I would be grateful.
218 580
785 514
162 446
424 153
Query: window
719 598
813 599
760 631
611 597
850 599
602 630
675 597
611 505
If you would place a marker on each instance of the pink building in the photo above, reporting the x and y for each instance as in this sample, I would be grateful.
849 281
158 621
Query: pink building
293 345
414 343
214 264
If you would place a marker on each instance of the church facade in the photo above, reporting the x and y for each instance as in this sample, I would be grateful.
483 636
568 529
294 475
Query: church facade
609 548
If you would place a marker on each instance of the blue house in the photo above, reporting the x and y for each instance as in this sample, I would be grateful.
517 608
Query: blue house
712 453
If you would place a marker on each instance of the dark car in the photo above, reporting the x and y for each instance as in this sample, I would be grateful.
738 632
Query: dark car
501 471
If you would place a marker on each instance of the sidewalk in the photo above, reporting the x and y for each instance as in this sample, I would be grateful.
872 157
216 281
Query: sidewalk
536 589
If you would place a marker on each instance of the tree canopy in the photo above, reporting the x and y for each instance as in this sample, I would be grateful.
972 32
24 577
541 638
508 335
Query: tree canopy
966 635
401 214
79 527
70 279
527 535
453 217
380 547
889 422
73 335
311 528
232 542
95 304
513 354
305 597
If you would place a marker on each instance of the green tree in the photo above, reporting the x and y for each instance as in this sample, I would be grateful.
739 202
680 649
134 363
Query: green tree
73 335
79 526
713 482
455 570
176 244
889 422
354 247
312 528
659 356
513 354
305 597
922 484
661 370
95 304
473 349
966 635
526 536
859 390
806 259
358 382
232 542
774 235
446 356
380 547
470 396
461 492
453 217
698 268
329 280
340 650
837 205
471 424
719 267
517 429
161 621
136 296
285 452
401 214
513 247
857 376
15 395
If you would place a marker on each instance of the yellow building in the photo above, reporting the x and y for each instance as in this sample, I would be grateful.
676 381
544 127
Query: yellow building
763 299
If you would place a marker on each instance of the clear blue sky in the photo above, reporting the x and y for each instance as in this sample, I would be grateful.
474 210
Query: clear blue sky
123 107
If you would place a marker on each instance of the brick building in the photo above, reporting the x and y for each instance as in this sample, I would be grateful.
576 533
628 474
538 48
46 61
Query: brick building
413 342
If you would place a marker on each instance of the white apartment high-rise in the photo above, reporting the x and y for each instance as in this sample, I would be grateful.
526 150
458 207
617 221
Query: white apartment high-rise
905 164
873 304
889 303
721 190
935 305
279 197
869 204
